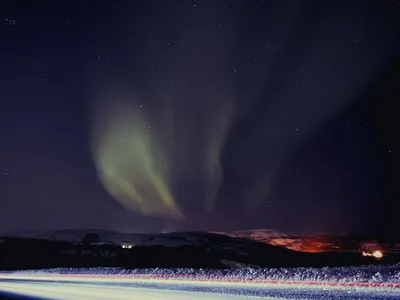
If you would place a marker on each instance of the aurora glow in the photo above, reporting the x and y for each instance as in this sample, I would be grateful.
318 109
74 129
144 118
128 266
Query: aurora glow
130 166
201 117
140 164
146 148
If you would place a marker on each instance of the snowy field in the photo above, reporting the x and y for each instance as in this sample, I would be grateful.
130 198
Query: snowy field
369 282
383 274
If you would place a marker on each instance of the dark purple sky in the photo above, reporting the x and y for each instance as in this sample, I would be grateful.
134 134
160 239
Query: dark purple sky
311 147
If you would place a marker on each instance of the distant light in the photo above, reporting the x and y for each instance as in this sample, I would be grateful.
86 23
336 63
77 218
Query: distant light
377 254
126 246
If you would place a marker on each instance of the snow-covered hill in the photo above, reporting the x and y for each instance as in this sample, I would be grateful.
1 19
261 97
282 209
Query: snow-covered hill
118 238
86 248
301 243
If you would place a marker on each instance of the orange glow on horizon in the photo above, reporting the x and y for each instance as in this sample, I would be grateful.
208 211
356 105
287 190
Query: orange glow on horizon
311 245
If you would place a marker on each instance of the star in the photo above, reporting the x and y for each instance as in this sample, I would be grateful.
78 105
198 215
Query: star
10 21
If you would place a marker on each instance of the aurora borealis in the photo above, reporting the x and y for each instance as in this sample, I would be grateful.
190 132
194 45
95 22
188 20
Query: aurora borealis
131 165
149 145
142 159
155 116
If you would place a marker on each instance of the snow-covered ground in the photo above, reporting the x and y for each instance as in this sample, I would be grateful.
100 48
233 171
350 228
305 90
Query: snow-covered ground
183 291
369 282
363 274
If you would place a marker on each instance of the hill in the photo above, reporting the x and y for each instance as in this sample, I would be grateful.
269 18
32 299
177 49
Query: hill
98 248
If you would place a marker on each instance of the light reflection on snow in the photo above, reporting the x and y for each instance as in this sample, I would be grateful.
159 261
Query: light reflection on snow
188 284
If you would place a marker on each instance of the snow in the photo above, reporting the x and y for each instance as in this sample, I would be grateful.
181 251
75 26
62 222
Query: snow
72 284
78 291
367 282
364 274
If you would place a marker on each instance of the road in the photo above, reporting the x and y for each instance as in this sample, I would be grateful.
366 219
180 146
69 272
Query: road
99 288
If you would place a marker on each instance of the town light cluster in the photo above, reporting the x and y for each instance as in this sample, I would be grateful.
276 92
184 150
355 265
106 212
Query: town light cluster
377 254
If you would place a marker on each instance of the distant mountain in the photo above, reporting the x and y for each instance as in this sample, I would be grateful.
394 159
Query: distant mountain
81 248
302 243
118 238
100 248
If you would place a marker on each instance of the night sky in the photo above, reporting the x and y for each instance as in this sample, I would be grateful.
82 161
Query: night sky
156 116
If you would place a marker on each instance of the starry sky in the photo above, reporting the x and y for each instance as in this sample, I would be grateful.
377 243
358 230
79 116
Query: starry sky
157 116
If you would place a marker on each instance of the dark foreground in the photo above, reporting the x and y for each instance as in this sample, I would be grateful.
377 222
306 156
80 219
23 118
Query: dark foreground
211 251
